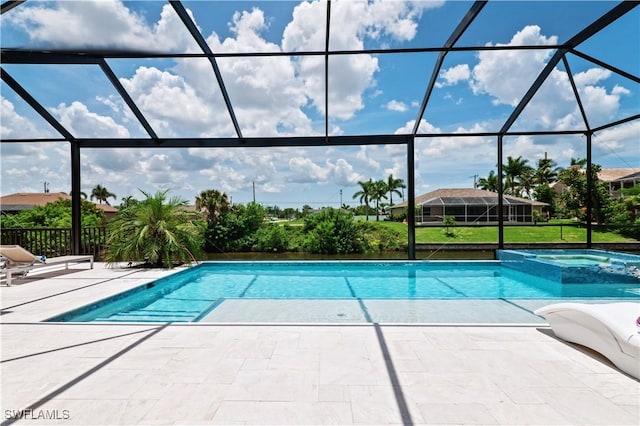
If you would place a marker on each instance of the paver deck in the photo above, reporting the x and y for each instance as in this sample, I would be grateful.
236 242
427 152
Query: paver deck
288 373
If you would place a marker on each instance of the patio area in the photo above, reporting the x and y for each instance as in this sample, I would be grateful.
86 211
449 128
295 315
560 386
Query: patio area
287 373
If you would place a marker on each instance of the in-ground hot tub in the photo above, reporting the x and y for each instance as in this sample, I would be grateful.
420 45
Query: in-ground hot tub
574 266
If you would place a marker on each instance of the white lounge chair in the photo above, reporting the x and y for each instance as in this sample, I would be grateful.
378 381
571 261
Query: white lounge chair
21 261
608 328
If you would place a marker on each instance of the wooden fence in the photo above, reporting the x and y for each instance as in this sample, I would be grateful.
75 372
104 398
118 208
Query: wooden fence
52 242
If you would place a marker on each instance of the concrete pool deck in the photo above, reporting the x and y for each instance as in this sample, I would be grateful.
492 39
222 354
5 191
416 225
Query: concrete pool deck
212 373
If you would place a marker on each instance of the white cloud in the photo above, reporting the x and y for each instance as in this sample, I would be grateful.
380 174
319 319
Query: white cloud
344 175
349 76
619 142
591 76
367 156
174 107
107 24
505 75
619 90
305 170
424 127
81 122
454 75
396 106
226 178
13 125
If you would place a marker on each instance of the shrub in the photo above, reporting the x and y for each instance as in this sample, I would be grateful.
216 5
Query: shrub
380 238
449 221
234 230
334 232
157 231
56 214
271 238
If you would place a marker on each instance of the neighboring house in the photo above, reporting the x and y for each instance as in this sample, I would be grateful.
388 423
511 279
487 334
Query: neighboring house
619 178
471 206
15 203
614 178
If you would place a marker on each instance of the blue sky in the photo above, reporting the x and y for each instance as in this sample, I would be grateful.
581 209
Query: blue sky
475 91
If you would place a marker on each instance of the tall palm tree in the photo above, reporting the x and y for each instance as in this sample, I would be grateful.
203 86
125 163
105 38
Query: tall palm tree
393 185
516 175
156 230
212 203
102 194
546 171
365 193
378 192
490 183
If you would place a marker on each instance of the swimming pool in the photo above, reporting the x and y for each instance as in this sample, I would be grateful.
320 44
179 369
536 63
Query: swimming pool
574 266
358 291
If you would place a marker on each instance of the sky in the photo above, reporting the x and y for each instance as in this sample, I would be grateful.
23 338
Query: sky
475 91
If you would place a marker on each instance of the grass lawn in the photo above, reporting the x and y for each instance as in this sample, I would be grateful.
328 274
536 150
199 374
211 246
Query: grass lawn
567 233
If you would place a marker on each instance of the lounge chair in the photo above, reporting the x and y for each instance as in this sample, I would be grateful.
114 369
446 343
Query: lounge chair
21 261
608 328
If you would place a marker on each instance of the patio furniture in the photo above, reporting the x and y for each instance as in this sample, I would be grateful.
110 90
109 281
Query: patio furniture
21 261
608 328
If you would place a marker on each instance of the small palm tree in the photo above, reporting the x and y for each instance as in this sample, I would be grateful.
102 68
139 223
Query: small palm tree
101 194
490 183
156 230
578 163
378 192
393 186
212 203
365 194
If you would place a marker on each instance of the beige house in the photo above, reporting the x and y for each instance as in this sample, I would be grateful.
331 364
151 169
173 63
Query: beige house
15 203
471 206
619 178
614 178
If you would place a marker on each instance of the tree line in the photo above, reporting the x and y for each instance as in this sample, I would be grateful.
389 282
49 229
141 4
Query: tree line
376 191
522 180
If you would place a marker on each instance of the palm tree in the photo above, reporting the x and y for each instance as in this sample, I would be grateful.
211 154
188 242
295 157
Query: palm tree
365 194
82 194
212 203
578 163
127 201
392 187
516 175
490 183
156 230
546 171
102 194
378 192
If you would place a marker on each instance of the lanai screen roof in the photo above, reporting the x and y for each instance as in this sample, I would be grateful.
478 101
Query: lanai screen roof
477 201
194 74
321 105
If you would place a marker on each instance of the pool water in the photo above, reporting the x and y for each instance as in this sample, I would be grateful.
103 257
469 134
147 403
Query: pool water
577 260
203 292
574 266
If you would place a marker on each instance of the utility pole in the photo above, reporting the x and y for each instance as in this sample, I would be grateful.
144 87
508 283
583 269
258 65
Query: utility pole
254 191
340 197
475 181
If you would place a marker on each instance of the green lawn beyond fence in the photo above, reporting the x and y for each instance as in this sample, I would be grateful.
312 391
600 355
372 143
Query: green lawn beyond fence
57 241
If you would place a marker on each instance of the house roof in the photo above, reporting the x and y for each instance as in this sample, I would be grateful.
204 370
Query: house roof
467 196
31 199
613 175
26 200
